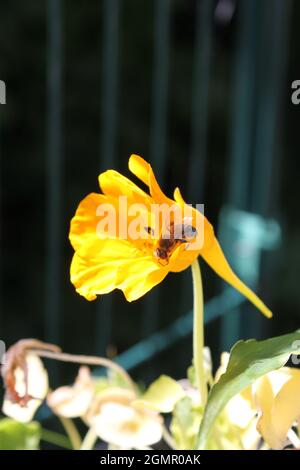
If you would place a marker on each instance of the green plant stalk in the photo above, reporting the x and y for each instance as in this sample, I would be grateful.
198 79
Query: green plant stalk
71 431
56 438
198 333
167 437
89 440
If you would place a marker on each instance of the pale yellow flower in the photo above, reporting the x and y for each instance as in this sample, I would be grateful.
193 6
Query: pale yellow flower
73 401
117 421
277 396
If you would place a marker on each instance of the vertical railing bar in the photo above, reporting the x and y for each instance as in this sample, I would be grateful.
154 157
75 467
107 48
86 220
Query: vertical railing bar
271 57
199 118
53 174
242 134
160 85
1 235
109 96
275 52
158 137
200 98
243 106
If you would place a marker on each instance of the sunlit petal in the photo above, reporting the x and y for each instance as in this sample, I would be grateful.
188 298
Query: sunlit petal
277 396
215 257
142 170
114 184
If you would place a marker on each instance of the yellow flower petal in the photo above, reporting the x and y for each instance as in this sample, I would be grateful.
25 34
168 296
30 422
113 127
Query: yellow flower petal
84 223
277 396
142 170
104 265
215 257
101 265
240 410
178 197
114 184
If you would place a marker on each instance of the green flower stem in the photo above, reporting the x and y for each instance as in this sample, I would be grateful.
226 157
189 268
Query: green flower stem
71 432
56 438
167 437
89 440
198 332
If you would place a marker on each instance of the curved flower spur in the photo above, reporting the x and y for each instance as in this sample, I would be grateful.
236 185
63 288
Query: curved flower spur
104 261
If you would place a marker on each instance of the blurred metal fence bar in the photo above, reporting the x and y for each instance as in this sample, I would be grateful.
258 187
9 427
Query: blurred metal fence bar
161 38
109 112
53 211
200 98
243 104
1 235
109 93
241 138
158 154
199 115
273 53
260 55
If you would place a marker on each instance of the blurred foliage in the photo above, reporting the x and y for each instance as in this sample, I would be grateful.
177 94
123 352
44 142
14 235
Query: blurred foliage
19 436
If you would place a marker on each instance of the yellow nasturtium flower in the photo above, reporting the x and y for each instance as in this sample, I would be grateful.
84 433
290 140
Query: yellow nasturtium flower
103 263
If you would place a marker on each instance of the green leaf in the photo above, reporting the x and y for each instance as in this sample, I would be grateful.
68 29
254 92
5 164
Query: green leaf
100 384
162 395
248 361
191 376
115 379
19 436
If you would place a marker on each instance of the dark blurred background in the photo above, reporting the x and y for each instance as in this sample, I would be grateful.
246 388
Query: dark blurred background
202 90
